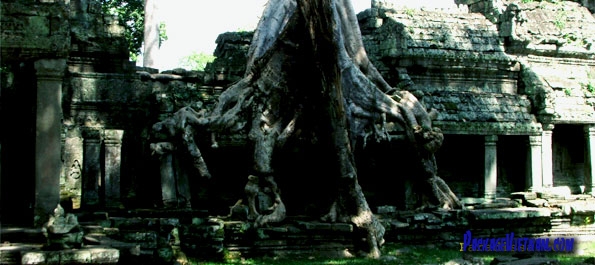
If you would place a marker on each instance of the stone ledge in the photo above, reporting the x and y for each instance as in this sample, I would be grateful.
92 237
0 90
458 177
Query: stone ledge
510 213
79 256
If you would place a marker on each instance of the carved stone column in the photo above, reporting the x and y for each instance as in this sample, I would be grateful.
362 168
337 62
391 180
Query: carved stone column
590 159
72 167
113 160
91 167
168 181
169 194
491 167
535 181
48 122
547 159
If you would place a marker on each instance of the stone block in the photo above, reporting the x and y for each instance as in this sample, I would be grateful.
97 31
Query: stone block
386 209
316 225
104 255
558 193
472 201
33 258
342 227
582 208
510 213
524 195
75 257
537 203
397 224
424 217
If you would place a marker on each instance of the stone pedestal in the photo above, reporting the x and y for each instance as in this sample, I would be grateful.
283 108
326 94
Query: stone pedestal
48 122
491 167
535 181
91 167
590 159
546 156
113 160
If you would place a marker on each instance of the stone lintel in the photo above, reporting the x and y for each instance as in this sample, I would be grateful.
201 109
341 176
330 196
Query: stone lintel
488 128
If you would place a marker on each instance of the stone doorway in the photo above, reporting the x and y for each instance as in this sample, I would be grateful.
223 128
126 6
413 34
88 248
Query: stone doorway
17 138
569 157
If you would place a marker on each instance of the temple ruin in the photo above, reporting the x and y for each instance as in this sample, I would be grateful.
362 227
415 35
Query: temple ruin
513 84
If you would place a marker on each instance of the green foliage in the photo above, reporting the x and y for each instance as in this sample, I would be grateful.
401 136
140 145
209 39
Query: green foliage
590 86
131 14
560 21
570 37
526 1
162 33
403 254
196 61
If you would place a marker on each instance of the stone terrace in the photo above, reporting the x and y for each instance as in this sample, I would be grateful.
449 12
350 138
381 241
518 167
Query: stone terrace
160 236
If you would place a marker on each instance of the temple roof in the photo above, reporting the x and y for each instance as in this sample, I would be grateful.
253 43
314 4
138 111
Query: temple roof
499 74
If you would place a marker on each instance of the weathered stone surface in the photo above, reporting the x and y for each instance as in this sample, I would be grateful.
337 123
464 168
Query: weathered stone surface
82 256
583 208
560 193
537 203
63 230
524 195
386 209
33 30
510 213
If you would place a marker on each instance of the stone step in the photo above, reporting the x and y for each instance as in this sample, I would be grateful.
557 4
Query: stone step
510 213
11 253
92 255
22 235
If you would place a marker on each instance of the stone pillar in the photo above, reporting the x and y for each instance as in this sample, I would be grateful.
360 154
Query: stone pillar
48 122
491 167
535 181
547 159
113 160
590 159
72 167
168 181
91 167
184 193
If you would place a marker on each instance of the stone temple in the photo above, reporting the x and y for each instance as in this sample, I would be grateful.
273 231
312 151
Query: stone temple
513 83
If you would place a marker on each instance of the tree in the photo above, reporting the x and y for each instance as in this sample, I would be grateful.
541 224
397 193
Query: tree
151 34
308 71
131 14
197 60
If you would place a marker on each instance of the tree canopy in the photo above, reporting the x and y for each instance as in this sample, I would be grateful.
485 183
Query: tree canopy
131 14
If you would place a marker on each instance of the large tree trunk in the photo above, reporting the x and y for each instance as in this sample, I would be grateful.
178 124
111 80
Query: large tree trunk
151 34
307 68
